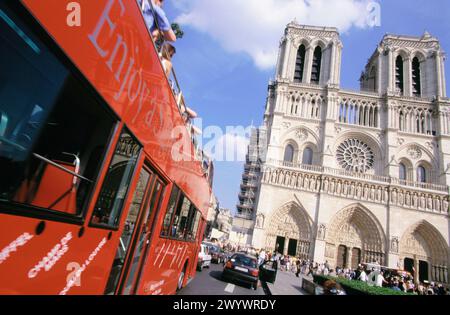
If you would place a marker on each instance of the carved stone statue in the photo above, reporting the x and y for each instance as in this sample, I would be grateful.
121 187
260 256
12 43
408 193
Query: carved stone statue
379 194
260 221
372 193
445 205
358 191
401 198
299 181
394 244
437 205
325 185
408 199
306 183
293 180
422 202
312 185
352 190
415 201
366 192
394 197
386 195
430 203
321 232
339 188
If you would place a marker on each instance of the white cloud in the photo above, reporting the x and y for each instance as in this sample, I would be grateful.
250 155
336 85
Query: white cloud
229 147
255 27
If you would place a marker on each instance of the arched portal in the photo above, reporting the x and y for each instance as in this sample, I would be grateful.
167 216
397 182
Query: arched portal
424 252
354 236
289 231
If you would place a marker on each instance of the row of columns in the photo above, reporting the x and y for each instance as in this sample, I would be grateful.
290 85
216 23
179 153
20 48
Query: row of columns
407 74
331 56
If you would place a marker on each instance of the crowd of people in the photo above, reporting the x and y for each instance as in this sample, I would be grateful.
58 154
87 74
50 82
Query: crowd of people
395 280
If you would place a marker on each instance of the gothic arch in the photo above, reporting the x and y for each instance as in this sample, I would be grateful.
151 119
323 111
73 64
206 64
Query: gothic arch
320 42
420 55
304 42
423 242
402 53
290 133
292 222
355 228
427 156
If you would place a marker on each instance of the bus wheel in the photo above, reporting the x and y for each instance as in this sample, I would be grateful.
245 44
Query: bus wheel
181 278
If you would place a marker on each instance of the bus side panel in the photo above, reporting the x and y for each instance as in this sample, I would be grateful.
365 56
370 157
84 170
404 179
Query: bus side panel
114 50
43 258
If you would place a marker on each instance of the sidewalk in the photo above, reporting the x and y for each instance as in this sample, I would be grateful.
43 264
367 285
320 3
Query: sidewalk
287 284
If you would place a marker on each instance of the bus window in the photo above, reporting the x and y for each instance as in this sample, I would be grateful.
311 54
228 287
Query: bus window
53 130
110 201
194 227
170 209
180 221
190 222
130 225
137 259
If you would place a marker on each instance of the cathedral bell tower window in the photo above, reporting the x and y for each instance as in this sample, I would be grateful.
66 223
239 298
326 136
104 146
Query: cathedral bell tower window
399 74
416 77
317 61
300 64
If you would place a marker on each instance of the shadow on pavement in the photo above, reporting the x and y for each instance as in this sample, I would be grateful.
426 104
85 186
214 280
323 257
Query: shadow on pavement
216 275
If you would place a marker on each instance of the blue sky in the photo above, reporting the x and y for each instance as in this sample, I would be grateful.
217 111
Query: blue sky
224 61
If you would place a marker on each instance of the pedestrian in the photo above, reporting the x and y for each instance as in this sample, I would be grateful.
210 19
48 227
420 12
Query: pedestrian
262 257
298 268
363 275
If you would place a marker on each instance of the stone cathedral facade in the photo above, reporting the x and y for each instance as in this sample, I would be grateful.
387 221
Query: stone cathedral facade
357 176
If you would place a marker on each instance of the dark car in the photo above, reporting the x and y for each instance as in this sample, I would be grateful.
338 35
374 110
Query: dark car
217 254
243 268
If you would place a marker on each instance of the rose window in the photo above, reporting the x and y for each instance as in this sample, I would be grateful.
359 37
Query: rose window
356 156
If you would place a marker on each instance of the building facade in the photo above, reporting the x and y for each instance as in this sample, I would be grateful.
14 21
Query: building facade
357 176
211 218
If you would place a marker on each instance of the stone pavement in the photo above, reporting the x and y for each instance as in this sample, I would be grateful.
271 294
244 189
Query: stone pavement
287 284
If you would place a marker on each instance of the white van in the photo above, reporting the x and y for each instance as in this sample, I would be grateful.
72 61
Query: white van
204 258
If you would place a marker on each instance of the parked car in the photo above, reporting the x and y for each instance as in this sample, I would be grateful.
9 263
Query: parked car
204 257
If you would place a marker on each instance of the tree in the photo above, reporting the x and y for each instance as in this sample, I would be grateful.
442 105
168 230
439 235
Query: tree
179 33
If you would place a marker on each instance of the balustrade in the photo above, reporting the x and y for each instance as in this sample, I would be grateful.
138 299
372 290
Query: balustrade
364 187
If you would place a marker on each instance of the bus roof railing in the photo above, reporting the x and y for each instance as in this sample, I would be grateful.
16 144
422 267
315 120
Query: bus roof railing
175 85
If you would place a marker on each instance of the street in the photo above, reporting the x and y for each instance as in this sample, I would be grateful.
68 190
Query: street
208 282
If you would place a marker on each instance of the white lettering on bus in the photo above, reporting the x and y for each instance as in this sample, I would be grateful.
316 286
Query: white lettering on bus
165 254
149 287
133 77
75 279
52 257
74 267
74 17
181 257
12 247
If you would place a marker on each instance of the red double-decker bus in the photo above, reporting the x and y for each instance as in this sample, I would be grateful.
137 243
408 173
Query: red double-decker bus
102 188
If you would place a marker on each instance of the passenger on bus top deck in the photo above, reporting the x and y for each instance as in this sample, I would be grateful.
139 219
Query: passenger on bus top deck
161 17
167 53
